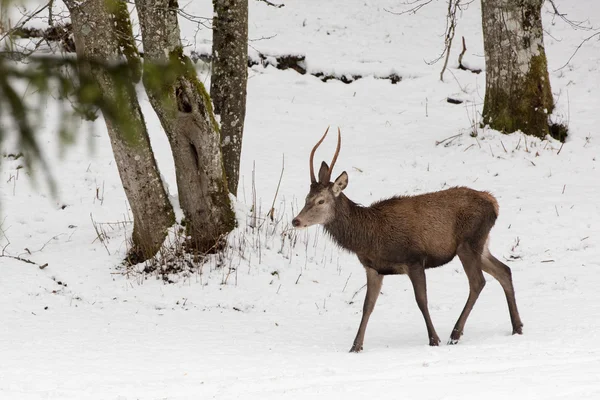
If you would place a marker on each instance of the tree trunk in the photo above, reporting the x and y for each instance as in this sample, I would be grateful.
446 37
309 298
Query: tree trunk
185 111
102 33
229 79
517 92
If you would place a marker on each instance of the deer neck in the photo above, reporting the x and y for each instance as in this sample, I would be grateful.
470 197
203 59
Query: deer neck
350 228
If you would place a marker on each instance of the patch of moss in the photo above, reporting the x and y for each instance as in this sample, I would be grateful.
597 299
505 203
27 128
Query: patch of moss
189 72
120 16
220 198
559 131
527 107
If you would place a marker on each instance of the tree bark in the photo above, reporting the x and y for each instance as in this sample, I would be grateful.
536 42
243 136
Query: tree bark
517 95
103 37
185 111
229 80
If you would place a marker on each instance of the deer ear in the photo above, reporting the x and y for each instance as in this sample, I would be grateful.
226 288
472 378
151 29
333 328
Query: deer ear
324 173
340 184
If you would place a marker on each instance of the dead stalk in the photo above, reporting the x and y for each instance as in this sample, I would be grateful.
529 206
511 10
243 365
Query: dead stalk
272 210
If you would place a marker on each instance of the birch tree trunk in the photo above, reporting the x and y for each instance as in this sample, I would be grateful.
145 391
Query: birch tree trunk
185 112
517 92
103 38
229 80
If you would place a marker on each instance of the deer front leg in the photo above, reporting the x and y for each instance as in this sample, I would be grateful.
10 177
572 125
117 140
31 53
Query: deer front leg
374 281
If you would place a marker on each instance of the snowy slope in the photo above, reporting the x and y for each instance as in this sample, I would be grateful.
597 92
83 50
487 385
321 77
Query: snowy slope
277 322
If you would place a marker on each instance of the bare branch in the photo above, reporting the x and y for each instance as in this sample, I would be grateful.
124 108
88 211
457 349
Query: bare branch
460 58
272 4
263 38
572 23
204 21
577 49
28 18
453 5
415 5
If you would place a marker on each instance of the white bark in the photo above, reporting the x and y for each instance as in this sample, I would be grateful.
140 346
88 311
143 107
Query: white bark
185 112
518 95
97 41
229 80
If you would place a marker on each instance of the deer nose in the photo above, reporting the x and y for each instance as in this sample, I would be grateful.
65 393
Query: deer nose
295 222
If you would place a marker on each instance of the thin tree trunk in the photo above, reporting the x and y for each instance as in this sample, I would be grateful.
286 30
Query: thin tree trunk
229 80
185 111
517 95
102 33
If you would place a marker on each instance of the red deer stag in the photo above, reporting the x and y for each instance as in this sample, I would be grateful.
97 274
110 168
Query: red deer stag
407 235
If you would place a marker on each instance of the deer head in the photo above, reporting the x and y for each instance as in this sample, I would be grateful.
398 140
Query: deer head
320 204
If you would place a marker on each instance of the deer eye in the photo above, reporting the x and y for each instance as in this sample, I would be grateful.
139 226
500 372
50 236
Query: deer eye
321 201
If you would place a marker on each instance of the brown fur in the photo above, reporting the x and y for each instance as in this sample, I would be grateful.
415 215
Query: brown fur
424 229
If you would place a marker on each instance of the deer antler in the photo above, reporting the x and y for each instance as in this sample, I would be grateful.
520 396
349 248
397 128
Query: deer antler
337 151
335 156
312 156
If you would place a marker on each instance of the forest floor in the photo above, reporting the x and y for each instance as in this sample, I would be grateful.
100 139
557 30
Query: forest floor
276 319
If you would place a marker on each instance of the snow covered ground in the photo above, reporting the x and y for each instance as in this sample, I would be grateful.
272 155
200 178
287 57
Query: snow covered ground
278 321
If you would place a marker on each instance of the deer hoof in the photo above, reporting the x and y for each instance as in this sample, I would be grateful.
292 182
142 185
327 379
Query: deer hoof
455 336
435 341
518 330
356 348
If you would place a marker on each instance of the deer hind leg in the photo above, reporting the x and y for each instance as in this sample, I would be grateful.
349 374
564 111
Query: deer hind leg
374 282
472 264
417 276
501 272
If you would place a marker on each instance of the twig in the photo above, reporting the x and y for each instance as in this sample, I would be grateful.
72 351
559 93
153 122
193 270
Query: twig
25 260
45 244
561 146
253 216
573 24
448 138
451 27
358 291
462 89
460 57
272 4
576 50
262 38
568 110
204 21
22 23
271 212
347 282
413 10
503 146
98 234
462 53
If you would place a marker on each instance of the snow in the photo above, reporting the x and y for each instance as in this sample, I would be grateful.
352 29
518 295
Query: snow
282 323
